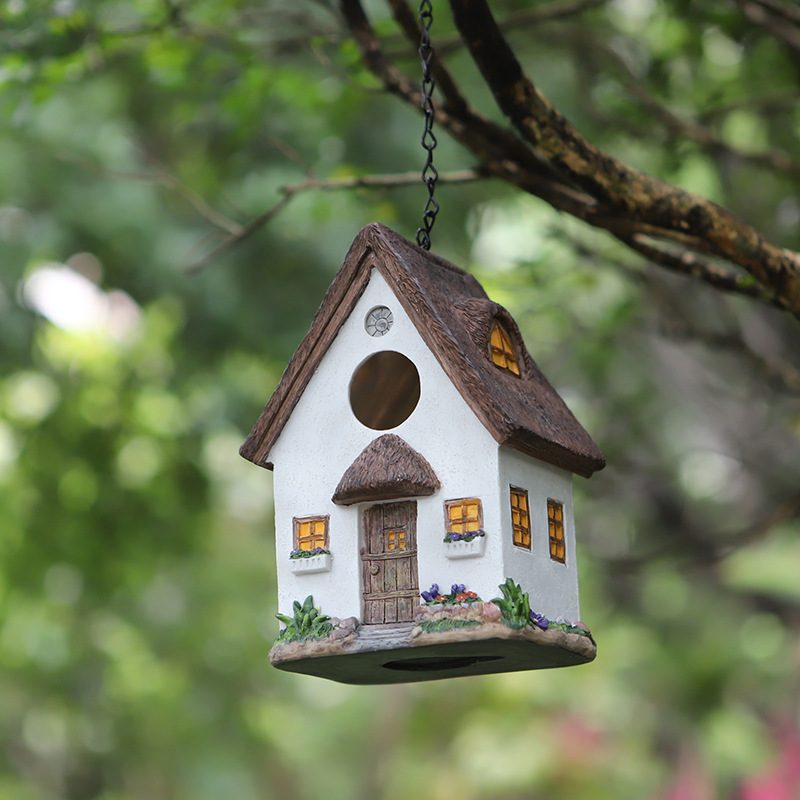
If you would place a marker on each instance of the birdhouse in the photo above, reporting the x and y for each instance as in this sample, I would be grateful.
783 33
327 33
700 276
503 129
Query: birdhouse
423 472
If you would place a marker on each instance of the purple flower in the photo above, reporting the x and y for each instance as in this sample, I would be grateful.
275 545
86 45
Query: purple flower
457 588
539 621
455 537
431 594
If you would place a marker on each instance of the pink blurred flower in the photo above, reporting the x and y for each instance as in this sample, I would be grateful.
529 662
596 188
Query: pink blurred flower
781 779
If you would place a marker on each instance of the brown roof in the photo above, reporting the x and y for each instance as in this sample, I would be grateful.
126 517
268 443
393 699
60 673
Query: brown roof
386 469
454 317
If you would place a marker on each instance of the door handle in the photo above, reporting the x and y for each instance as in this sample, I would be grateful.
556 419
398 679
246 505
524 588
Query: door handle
374 569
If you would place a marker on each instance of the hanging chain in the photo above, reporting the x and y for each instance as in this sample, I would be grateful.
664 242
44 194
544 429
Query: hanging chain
429 173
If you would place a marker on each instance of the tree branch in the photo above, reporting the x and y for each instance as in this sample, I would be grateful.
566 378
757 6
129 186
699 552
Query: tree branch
245 232
629 193
692 129
407 21
162 176
779 19
500 152
791 13
695 266
529 18
573 176
706 548
288 192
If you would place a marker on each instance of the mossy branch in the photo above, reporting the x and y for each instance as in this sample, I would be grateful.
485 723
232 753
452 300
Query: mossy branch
546 156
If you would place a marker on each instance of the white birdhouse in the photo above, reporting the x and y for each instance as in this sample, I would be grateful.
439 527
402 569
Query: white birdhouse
422 481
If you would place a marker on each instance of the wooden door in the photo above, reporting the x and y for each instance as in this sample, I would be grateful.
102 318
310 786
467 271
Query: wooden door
389 563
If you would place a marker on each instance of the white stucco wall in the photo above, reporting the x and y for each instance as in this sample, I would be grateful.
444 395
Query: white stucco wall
323 437
553 586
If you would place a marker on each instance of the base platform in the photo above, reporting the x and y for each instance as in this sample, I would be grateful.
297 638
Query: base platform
380 654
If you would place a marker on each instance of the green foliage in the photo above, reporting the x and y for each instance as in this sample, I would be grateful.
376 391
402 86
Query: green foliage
307 623
136 547
448 624
567 628
514 605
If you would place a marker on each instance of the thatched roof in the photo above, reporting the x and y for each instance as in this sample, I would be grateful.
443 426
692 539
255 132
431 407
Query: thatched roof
386 469
454 317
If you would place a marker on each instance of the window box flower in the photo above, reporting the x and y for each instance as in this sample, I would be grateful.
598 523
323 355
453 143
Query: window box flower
308 562
465 545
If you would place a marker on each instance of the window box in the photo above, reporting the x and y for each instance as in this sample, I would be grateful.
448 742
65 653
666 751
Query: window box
311 564
465 549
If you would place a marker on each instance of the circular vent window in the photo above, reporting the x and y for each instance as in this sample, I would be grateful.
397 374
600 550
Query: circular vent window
379 321
384 390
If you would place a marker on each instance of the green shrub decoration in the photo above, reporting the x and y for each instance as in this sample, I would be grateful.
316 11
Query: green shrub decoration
514 605
568 628
307 623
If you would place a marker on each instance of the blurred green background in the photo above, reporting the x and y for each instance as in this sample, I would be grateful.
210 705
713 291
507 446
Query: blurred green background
137 586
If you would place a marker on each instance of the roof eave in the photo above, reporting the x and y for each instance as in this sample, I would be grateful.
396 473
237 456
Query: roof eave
339 301
551 453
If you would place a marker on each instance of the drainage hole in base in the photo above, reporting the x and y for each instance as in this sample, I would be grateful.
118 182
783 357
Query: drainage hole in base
434 663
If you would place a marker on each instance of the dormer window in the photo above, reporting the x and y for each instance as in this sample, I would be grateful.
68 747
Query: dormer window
502 350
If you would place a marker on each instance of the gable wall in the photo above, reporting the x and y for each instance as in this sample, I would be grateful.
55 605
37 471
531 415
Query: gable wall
323 437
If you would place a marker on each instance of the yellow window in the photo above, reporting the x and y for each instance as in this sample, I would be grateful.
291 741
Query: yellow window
555 526
310 532
396 540
520 518
464 516
502 350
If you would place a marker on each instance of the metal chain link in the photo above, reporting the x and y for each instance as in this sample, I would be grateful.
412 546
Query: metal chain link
429 173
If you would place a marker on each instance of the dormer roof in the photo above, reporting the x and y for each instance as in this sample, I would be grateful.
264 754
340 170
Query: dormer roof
455 318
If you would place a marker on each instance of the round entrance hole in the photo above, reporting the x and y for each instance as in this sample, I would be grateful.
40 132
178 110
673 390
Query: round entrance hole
384 390
434 663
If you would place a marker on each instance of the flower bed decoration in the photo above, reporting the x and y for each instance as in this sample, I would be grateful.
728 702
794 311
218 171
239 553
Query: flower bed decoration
459 608
310 561
465 545
504 627
458 594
